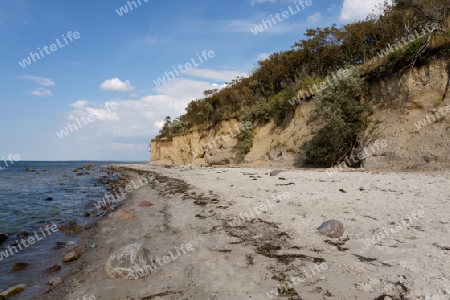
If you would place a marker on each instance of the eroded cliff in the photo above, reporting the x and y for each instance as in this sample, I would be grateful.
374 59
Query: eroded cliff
411 116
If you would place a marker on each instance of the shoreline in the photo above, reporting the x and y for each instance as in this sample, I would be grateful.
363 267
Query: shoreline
195 205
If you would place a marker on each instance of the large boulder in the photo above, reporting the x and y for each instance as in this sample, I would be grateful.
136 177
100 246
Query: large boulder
130 262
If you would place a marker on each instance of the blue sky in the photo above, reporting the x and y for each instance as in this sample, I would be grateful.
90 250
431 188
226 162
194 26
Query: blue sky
103 76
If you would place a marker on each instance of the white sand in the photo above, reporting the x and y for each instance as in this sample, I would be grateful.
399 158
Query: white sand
411 261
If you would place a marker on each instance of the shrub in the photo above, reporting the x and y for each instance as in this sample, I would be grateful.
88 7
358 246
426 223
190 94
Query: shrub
342 115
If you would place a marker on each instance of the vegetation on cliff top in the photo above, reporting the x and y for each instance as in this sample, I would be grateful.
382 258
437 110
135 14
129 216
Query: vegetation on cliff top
341 112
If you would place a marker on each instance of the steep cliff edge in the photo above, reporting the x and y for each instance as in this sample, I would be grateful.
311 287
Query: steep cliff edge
411 116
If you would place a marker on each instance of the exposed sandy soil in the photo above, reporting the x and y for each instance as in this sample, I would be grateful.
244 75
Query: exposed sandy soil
196 205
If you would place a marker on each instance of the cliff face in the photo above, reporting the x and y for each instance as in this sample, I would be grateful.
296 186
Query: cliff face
412 118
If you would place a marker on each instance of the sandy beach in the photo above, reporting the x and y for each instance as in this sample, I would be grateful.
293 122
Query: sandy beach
240 233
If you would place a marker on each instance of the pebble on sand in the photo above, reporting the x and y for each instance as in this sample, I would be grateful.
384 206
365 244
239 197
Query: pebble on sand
331 229
145 204
54 268
124 215
55 281
13 290
71 256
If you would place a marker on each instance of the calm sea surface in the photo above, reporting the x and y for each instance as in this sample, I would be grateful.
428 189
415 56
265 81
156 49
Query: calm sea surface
24 208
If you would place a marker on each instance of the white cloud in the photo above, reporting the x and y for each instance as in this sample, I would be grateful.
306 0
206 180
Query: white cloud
117 85
159 124
79 104
256 2
359 9
104 112
314 18
216 75
182 88
42 81
41 92
262 56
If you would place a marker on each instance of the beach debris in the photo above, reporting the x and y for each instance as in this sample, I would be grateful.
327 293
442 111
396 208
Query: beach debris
54 268
94 245
145 204
339 244
19 267
13 290
130 262
70 256
275 172
86 214
55 281
3 237
331 229
49 199
125 215
342 191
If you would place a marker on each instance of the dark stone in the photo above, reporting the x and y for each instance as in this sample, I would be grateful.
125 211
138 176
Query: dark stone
86 214
3 237
48 199
60 243
331 229
276 172
54 268
19 267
